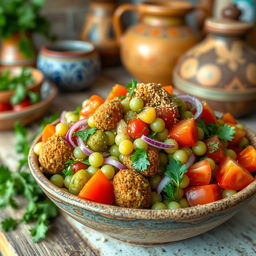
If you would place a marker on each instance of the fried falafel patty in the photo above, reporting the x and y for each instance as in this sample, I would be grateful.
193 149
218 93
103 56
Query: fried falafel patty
107 115
153 158
54 153
131 189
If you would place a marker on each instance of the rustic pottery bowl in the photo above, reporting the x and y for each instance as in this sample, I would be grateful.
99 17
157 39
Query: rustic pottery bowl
142 226
5 96
31 113
72 65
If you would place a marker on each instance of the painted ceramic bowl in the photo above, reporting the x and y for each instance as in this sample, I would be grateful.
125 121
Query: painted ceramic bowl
72 65
31 113
144 227
5 96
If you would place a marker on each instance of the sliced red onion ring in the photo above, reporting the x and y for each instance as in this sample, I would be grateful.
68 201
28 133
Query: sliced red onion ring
155 143
165 181
195 102
79 124
191 160
83 147
115 163
62 117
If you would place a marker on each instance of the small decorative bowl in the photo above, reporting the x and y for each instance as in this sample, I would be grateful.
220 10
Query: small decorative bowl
31 113
71 65
5 96
144 226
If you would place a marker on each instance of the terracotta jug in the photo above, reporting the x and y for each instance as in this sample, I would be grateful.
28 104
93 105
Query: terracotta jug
150 49
98 29
10 54
222 68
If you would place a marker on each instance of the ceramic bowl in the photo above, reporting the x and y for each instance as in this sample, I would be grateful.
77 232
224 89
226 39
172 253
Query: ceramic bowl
144 226
72 65
5 96
31 113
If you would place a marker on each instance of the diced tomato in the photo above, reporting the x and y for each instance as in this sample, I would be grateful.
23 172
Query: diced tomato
215 149
169 115
247 158
239 134
168 88
231 175
203 194
136 128
5 107
185 133
18 107
208 114
98 189
228 118
91 105
78 166
48 131
200 173
117 90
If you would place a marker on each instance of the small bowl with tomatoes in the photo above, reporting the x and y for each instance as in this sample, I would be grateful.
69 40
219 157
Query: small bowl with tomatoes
146 166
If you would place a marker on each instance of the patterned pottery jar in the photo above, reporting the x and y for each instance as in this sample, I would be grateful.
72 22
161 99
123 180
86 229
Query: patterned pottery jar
72 65
221 69
150 49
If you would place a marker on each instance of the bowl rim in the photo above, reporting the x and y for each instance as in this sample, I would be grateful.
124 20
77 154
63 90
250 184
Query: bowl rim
180 214
10 114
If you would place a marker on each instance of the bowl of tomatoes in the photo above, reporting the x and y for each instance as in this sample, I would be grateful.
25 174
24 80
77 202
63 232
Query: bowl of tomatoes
146 166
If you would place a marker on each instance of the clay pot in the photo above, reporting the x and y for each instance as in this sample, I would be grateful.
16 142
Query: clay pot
221 69
150 49
10 54
98 29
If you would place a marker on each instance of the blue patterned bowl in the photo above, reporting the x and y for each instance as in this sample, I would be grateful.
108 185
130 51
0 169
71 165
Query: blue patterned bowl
72 65
144 226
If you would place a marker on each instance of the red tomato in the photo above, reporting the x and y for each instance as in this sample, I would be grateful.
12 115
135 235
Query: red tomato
239 134
200 173
203 194
98 189
136 128
185 133
91 105
208 114
215 149
231 175
169 115
247 158
228 118
5 107
18 107
78 166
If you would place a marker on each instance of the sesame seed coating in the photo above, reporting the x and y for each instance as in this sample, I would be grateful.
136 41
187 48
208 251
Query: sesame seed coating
107 115
131 189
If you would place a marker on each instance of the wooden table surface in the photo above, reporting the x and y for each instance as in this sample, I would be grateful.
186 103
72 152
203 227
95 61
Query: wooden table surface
67 237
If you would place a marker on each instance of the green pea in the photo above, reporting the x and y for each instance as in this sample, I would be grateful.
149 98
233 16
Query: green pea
173 205
200 148
125 104
110 138
79 154
183 203
139 143
243 143
136 104
158 206
114 150
92 170
163 135
67 180
156 197
181 155
57 180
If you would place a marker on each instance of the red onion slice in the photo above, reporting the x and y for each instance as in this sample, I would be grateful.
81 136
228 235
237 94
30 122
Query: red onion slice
193 101
81 124
115 163
155 143
62 117
191 160
165 181
83 147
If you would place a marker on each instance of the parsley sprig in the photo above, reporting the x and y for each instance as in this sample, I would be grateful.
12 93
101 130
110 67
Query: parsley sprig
131 86
85 134
175 171
140 159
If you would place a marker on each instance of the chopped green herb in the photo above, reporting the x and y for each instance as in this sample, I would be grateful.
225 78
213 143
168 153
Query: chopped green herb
121 97
77 110
212 147
131 86
85 134
152 135
140 159
67 171
9 224
226 132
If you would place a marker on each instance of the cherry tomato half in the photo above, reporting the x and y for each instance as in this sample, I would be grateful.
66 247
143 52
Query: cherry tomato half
78 166
18 107
169 115
5 107
137 128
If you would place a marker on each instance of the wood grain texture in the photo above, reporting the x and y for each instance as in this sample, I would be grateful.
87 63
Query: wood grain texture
67 237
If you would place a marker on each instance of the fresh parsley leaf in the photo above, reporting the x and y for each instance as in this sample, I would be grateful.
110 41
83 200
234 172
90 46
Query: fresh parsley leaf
86 161
77 110
121 97
85 134
67 172
226 132
131 86
212 147
38 232
5 174
140 159
9 224
169 189
34 97
152 135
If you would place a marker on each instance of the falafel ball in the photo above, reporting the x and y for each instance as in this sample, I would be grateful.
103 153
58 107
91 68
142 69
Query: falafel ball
54 153
153 158
107 115
131 189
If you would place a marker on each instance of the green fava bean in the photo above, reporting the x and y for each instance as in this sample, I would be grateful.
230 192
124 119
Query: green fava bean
78 180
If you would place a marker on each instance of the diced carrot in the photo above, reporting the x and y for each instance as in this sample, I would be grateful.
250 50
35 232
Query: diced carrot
48 131
117 90
208 114
247 158
228 118
168 88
